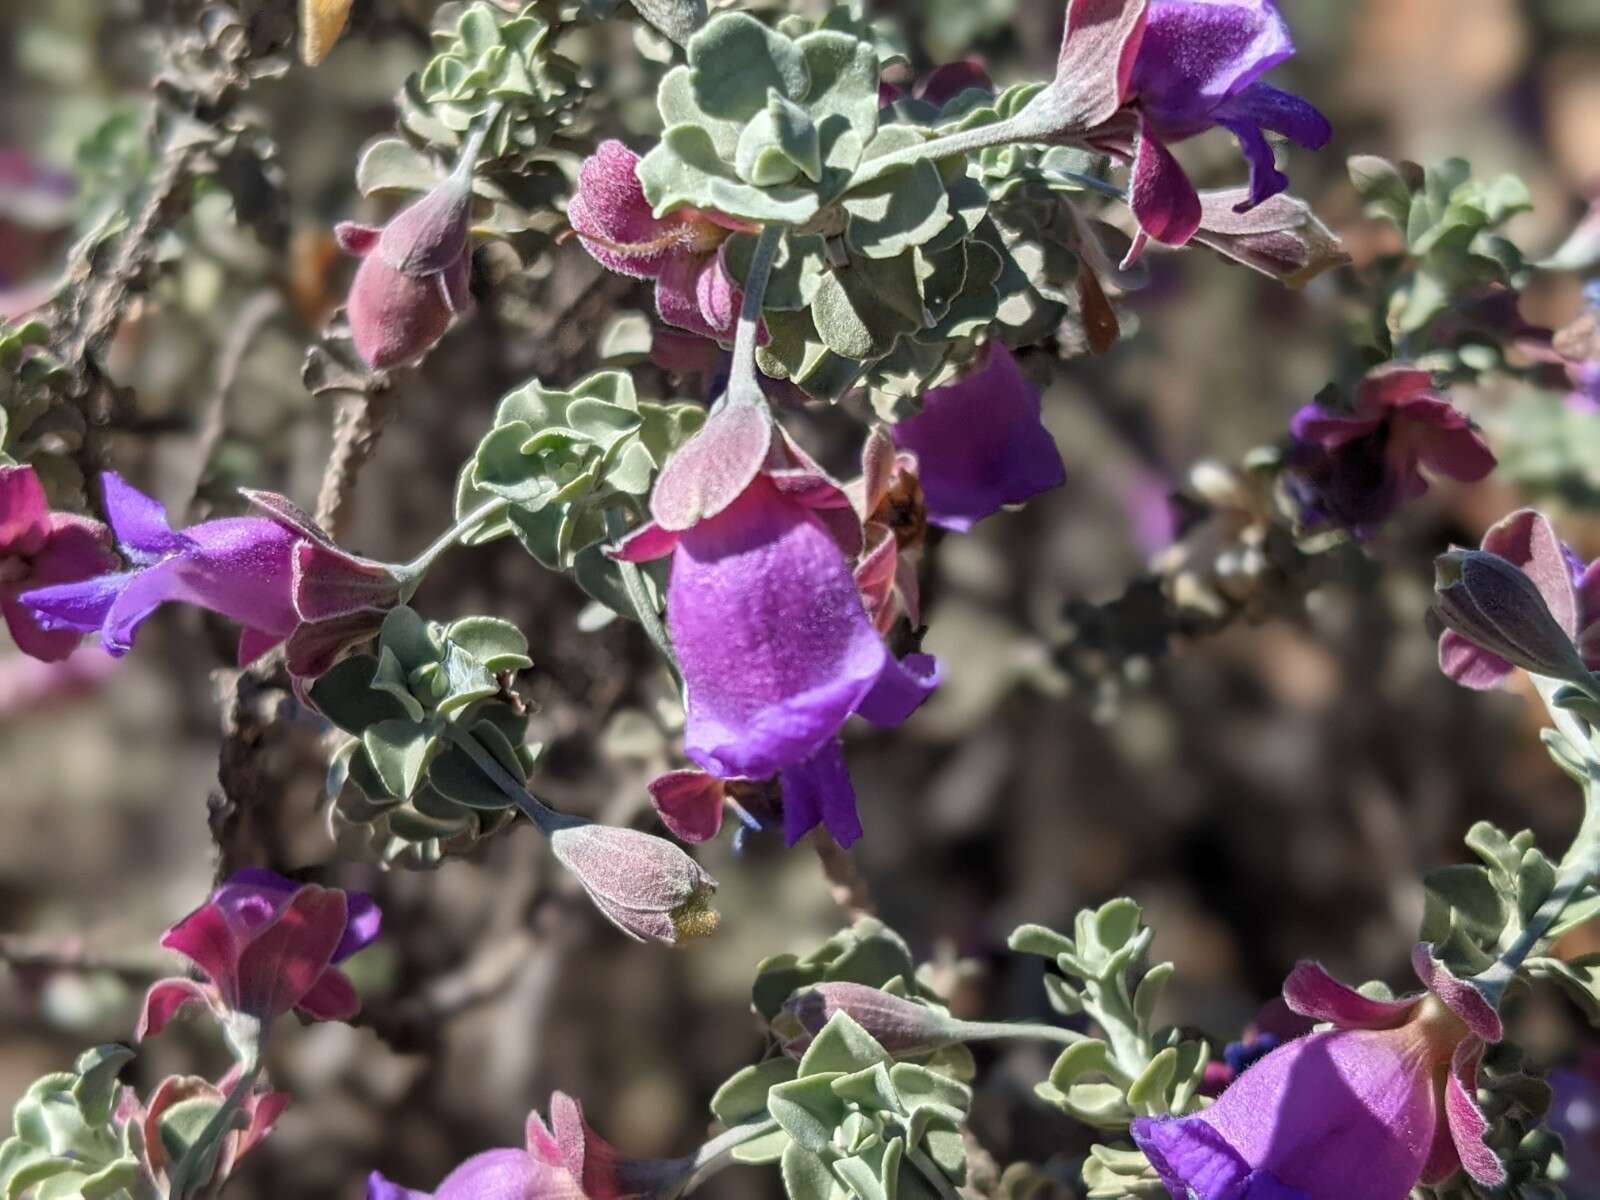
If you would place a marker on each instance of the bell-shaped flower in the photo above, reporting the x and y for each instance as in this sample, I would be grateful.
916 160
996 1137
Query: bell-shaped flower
39 548
980 444
776 646
1136 76
1571 592
680 251
414 274
1354 469
646 886
1383 1101
266 946
276 575
564 1160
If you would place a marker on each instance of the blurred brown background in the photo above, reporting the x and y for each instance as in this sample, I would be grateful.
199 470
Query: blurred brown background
1273 793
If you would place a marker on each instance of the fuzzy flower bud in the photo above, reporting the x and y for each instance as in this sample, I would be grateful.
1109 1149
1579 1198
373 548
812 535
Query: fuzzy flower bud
902 1027
413 277
1494 605
646 886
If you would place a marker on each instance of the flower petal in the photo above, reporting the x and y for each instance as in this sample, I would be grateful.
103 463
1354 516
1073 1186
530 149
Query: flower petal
712 469
980 443
379 1188
1468 1125
82 606
1312 992
1192 1158
166 999
1163 199
205 938
1266 107
819 791
1470 665
610 211
24 512
332 998
776 645
139 521
1198 53
1466 1001
690 803
284 961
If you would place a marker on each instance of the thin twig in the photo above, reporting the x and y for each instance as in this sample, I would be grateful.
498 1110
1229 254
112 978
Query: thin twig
356 431
253 316
845 882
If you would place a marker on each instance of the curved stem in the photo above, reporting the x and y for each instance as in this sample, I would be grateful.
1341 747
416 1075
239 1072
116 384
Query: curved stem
193 1171
965 141
984 1031
743 385
706 1161
1579 866
545 818
639 596
932 1174
414 570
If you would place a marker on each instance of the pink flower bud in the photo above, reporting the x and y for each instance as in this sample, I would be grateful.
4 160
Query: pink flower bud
413 277
646 886
902 1027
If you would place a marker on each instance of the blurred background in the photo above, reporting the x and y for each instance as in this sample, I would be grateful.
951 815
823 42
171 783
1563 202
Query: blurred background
1271 792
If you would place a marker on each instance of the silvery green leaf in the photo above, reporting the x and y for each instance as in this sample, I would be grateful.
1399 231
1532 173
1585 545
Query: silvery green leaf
808 1111
398 751
902 208
744 1096
393 165
861 310
345 695
806 1176
498 645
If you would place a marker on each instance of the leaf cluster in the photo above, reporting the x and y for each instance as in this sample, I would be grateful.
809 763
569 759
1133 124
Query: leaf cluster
403 784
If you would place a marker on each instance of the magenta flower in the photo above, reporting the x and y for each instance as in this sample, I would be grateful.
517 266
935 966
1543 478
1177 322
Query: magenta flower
980 444
1137 75
1355 469
1372 1108
39 548
776 646
276 575
414 275
266 946
681 251
1571 591
565 1160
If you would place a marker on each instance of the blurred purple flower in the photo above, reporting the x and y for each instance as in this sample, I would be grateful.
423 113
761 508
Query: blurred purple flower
776 646
1575 1115
1571 591
980 444
1355 469
566 1160
414 275
266 946
681 251
276 575
1371 1108
39 547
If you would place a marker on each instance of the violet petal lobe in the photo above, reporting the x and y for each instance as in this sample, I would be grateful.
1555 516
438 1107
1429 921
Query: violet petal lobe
1197 53
1163 199
379 1188
980 443
283 961
1312 992
139 521
818 791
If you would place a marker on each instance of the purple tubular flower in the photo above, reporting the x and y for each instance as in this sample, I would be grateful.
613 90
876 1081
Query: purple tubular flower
681 251
1372 1108
980 444
776 645
414 275
1571 591
276 575
266 946
1355 469
38 547
1198 67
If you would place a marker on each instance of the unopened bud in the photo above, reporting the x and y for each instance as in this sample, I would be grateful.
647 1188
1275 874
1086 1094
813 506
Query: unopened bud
646 886
1494 605
902 1027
